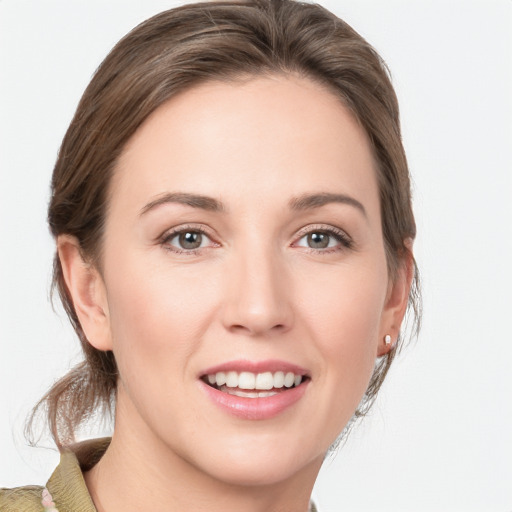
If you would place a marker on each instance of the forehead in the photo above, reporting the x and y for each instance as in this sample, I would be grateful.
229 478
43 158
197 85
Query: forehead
257 136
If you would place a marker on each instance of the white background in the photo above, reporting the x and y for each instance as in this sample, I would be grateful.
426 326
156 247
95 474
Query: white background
440 436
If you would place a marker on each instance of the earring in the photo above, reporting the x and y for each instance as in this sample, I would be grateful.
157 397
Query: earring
387 339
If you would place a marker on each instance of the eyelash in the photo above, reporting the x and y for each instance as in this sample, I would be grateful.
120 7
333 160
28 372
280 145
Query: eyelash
345 242
170 235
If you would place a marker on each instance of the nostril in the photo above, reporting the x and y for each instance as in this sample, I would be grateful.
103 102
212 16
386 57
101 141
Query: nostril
255 329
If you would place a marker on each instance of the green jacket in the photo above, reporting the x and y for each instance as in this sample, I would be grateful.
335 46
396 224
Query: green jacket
66 486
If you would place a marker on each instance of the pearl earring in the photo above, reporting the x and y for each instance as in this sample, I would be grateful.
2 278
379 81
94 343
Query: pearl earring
387 339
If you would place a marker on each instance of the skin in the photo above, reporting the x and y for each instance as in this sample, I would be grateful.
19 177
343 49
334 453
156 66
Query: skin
254 290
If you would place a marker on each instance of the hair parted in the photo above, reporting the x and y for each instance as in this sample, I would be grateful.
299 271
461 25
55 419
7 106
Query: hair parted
170 53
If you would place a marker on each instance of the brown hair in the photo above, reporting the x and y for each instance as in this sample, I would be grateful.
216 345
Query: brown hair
172 52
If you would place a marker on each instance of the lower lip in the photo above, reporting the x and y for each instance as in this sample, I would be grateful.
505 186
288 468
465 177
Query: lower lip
261 408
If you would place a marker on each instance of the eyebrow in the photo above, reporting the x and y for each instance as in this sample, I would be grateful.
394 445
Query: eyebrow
311 201
300 203
194 200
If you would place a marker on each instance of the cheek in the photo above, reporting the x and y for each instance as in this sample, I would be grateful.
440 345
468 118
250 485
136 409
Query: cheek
344 308
157 316
344 321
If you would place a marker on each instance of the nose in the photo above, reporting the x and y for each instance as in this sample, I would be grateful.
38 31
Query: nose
259 292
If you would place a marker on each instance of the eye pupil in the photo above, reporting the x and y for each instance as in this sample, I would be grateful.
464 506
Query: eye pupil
190 240
318 240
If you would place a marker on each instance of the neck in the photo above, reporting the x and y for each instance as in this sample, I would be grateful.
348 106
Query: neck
140 473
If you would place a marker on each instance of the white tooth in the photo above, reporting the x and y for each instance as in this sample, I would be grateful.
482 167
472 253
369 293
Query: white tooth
246 380
220 378
232 380
239 392
298 379
265 380
278 379
289 379
247 394
212 379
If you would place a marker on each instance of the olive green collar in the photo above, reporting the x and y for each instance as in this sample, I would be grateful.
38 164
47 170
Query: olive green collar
67 485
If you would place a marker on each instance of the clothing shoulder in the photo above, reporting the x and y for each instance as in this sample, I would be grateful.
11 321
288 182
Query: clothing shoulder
66 490
21 499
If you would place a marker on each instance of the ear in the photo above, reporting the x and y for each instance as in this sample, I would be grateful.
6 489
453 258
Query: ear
87 291
396 302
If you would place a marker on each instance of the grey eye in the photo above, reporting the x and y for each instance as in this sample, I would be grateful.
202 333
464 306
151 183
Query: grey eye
318 240
190 240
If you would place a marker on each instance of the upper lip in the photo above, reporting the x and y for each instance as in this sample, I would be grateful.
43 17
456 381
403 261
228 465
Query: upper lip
243 365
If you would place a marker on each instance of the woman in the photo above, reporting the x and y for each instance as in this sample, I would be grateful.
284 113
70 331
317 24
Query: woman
231 206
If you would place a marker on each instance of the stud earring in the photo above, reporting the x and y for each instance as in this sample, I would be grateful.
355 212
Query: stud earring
387 339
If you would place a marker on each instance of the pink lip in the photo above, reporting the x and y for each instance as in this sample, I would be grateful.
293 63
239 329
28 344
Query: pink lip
255 408
271 365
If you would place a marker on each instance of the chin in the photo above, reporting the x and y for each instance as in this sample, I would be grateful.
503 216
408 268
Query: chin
271 470
261 461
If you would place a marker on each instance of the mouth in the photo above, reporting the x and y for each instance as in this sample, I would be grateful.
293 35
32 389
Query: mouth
247 384
255 390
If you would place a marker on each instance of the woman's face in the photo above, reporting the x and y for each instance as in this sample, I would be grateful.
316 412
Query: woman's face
243 242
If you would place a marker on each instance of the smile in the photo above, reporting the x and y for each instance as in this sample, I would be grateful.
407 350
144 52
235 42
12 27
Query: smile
264 384
255 391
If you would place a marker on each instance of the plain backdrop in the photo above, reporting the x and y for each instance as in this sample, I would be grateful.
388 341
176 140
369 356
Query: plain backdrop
440 436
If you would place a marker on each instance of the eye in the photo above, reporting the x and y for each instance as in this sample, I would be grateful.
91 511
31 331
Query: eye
319 240
325 239
187 240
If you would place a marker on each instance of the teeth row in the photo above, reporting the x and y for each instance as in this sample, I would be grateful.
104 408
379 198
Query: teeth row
248 394
248 380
